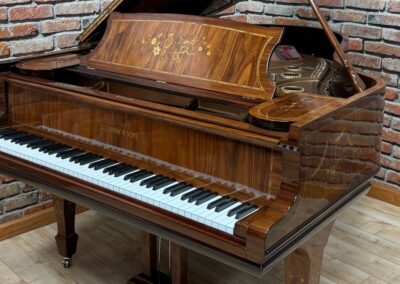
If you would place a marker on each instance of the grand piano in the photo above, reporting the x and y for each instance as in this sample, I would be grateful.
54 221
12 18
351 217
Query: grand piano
241 142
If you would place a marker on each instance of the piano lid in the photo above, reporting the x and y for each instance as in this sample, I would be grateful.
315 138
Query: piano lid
199 52
198 7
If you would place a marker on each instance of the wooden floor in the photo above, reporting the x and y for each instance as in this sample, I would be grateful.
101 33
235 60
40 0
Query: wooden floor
364 247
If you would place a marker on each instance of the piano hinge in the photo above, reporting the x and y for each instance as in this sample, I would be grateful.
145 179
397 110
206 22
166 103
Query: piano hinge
288 147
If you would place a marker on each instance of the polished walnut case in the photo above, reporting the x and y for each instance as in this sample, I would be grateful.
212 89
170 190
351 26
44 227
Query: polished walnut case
192 98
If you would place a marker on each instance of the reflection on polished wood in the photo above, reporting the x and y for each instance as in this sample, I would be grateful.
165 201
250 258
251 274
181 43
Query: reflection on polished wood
363 248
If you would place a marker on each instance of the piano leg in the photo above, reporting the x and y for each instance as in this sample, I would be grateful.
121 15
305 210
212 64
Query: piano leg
150 275
304 264
149 260
66 238
178 261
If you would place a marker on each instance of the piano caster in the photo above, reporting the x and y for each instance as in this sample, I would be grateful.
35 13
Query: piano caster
67 262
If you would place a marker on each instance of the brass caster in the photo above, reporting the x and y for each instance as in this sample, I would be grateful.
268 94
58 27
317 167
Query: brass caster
67 262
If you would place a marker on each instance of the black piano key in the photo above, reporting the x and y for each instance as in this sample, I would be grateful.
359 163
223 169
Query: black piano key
39 144
145 181
57 150
89 160
22 139
237 209
205 198
125 171
31 141
113 169
151 180
173 187
155 181
245 212
80 158
70 153
7 131
192 193
133 175
198 196
14 135
225 205
102 164
180 190
217 202
77 158
141 177
53 146
163 183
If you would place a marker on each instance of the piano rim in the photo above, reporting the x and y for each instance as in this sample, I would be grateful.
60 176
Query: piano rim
277 253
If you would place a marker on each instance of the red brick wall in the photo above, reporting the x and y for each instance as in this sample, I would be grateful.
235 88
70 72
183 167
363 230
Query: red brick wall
373 26
36 26
18 199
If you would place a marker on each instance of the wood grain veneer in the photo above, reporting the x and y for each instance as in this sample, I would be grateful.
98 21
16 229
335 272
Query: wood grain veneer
3 103
205 53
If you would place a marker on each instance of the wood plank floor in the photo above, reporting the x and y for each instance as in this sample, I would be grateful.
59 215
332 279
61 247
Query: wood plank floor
364 247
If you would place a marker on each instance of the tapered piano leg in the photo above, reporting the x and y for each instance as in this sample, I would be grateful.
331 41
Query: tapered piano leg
66 238
304 264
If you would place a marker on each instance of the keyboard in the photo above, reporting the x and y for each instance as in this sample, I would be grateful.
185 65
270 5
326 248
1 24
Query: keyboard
179 197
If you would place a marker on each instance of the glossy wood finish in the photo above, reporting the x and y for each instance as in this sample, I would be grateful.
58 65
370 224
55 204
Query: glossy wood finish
50 63
149 254
3 103
66 238
178 264
304 264
192 51
338 151
291 107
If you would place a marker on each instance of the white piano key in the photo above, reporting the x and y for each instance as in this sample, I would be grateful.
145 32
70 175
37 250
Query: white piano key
174 204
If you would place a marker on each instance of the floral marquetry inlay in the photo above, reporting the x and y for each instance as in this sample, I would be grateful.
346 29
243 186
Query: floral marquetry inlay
177 48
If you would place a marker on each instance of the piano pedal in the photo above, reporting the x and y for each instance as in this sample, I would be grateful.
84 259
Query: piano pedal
67 262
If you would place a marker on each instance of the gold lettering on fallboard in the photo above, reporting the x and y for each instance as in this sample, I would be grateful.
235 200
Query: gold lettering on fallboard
118 131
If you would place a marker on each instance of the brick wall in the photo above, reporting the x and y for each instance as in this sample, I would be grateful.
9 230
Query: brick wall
36 26
18 199
373 26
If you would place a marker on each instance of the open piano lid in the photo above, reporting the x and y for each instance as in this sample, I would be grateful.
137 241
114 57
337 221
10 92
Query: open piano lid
199 52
